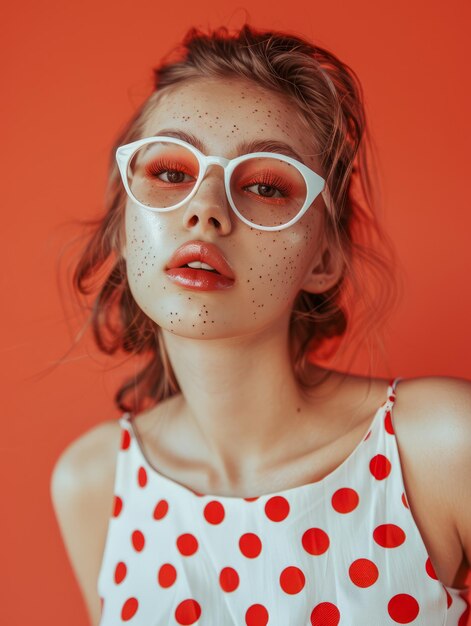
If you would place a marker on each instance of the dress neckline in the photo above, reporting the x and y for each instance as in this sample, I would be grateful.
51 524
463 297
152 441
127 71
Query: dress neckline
291 491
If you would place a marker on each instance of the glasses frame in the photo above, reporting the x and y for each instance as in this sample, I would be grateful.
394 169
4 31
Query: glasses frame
315 184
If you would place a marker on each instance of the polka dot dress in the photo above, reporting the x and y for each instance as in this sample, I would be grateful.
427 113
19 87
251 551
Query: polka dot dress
344 550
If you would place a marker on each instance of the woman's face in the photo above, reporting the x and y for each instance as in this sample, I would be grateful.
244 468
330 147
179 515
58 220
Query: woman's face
270 267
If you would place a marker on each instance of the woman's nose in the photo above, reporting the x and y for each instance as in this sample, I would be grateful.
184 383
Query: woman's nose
210 206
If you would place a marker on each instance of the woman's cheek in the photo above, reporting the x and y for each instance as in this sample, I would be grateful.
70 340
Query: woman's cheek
277 270
142 243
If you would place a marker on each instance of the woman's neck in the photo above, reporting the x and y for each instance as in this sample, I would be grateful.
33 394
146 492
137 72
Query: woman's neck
240 399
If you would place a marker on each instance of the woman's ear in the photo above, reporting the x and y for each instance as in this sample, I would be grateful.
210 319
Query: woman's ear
324 273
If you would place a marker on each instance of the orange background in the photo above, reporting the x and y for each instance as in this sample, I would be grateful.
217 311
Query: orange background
72 74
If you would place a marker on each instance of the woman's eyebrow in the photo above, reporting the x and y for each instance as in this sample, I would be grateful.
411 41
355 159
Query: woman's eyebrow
245 147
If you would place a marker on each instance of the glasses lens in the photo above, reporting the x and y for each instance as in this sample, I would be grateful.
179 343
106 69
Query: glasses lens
162 174
268 191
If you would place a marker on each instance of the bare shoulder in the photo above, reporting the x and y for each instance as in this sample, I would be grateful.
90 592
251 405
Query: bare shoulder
438 410
82 483
432 421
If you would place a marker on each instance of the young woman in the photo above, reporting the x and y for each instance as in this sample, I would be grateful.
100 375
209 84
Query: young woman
245 483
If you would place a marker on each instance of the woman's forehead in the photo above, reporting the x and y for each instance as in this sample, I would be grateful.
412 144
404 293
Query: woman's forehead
223 113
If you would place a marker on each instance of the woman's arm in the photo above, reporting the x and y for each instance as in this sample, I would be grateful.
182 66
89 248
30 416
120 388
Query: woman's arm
458 417
82 485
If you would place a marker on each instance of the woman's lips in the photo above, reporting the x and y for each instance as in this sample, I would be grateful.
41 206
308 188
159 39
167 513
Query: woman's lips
202 280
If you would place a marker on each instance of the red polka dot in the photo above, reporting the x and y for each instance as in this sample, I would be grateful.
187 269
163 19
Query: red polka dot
315 541
292 579
429 569
250 545
389 535
187 612
388 426
161 509
367 436
403 608
404 500
214 512
117 507
167 575
142 477
187 544
120 572
102 604
380 467
125 439
129 609
138 540
251 499
449 599
277 508
345 500
256 615
325 614
363 573
228 579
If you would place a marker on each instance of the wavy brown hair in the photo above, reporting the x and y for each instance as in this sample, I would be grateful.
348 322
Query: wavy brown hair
329 101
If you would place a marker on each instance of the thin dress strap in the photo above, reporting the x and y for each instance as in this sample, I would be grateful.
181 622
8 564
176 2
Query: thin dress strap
124 421
395 381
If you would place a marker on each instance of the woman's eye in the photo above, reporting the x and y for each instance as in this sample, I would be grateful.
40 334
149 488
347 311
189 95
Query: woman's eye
174 176
171 173
266 191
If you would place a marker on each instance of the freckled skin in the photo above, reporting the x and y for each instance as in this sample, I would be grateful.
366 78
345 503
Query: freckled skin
270 266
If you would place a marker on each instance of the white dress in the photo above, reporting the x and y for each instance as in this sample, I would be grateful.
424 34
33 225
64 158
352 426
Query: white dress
344 550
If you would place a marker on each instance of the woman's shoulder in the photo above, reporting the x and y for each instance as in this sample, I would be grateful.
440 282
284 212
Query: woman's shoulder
437 411
85 456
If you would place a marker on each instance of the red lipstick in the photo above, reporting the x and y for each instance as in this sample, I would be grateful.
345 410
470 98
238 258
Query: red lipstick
220 276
